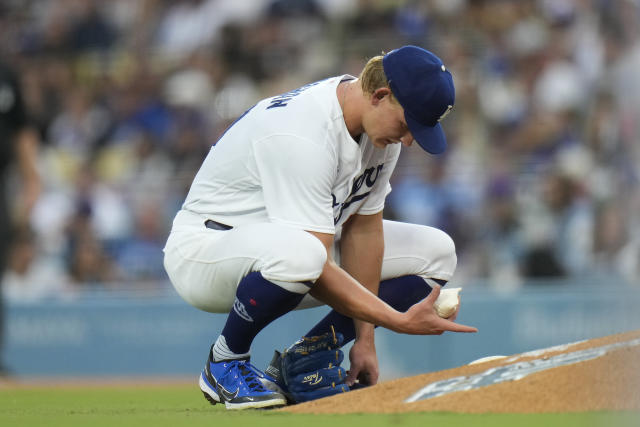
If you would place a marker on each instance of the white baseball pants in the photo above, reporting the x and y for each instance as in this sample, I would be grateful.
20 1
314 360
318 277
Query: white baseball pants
206 266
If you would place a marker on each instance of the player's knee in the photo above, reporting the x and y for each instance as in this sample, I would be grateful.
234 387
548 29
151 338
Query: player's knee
440 252
309 256
446 252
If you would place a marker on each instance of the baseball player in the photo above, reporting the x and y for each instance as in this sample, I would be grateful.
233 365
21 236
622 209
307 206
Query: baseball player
286 213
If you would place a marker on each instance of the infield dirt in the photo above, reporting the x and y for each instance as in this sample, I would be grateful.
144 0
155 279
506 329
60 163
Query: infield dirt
610 381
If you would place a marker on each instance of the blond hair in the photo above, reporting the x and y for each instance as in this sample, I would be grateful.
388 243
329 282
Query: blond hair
373 77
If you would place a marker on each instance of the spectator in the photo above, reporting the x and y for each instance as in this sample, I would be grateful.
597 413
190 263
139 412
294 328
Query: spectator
136 92
88 263
31 276
20 147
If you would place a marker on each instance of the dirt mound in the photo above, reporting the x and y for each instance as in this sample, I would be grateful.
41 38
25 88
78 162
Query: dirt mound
598 374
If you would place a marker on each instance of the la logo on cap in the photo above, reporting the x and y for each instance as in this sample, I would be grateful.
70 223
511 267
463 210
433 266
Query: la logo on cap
447 111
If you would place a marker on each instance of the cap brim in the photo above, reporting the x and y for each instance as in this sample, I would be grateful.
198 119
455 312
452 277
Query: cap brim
430 138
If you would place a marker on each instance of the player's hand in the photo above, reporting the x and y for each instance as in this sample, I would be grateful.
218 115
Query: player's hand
422 319
364 364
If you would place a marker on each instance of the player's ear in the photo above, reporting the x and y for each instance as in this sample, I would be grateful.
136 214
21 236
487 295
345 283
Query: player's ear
379 94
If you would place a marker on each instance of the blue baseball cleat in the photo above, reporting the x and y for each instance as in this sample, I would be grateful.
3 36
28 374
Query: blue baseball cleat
237 384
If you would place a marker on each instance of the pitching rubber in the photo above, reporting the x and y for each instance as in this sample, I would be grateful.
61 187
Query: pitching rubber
487 359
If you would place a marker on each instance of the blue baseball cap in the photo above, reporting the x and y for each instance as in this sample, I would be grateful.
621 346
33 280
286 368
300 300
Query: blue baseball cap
424 87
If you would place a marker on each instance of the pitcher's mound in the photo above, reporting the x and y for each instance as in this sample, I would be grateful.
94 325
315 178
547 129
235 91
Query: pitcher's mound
598 374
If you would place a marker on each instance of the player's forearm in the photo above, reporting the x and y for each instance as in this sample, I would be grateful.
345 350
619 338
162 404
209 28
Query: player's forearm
362 249
27 155
338 289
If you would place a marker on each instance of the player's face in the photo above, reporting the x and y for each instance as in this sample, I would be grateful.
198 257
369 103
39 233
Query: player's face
386 124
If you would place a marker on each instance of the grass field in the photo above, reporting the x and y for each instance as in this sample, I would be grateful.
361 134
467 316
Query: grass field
183 405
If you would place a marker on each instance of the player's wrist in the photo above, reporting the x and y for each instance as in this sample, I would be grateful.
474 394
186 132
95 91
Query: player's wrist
365 331
395 321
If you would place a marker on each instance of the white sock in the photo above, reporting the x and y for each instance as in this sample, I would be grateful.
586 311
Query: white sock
221 351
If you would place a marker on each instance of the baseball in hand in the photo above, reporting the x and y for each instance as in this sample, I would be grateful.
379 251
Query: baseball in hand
447 302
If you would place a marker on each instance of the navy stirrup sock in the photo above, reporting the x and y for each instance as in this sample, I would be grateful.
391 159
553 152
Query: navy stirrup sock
258 303
400 293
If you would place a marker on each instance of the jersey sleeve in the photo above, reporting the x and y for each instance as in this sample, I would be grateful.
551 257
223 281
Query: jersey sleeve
375 202
297 177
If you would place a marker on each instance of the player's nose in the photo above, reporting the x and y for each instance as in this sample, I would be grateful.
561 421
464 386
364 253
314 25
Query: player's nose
407 139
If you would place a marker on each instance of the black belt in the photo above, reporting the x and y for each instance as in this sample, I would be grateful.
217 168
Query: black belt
216 225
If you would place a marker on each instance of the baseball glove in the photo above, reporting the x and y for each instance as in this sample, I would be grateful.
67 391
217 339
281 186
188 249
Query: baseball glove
310 368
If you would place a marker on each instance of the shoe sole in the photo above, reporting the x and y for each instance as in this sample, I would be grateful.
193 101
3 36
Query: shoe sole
209 393
213 398
265 404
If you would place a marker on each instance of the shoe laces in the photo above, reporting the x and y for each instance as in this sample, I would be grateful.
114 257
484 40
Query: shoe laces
249 375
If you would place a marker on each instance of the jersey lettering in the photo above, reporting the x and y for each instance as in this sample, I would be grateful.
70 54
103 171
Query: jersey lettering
368 177
281 100
334 203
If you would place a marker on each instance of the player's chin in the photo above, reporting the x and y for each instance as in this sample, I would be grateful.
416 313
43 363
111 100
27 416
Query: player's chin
382 142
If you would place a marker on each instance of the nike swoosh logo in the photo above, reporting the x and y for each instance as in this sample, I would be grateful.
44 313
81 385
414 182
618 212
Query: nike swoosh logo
226 394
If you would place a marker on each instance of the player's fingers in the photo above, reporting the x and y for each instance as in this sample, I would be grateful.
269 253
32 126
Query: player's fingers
368 378
433 295
447 325
352 375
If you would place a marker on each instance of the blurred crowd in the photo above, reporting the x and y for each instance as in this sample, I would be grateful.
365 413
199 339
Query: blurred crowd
540 179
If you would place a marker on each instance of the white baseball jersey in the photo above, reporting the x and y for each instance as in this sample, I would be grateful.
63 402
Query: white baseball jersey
290 160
